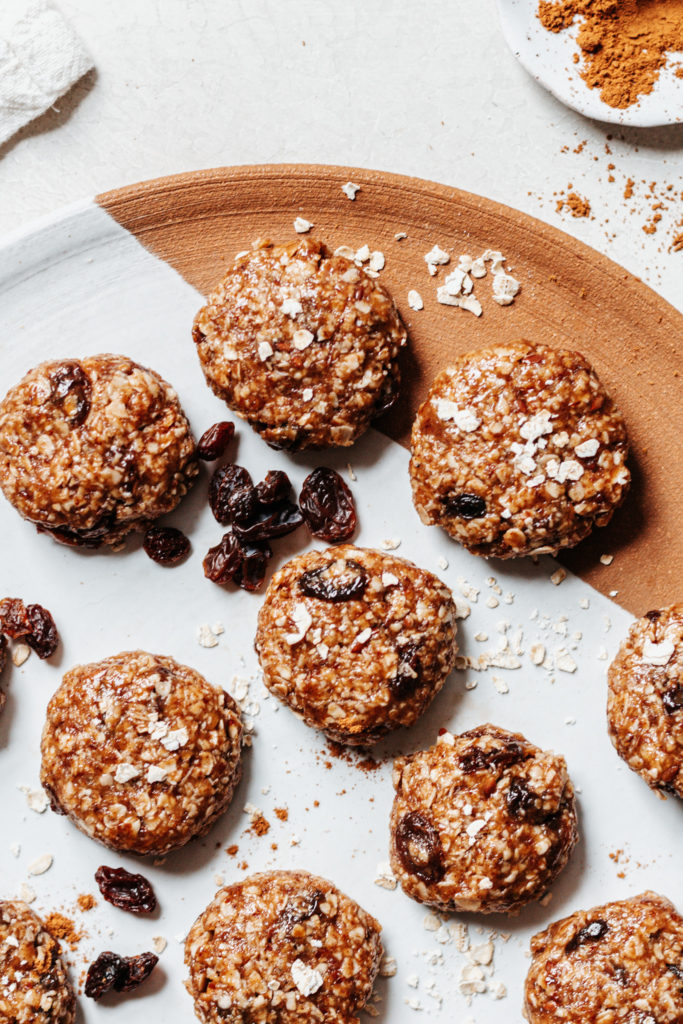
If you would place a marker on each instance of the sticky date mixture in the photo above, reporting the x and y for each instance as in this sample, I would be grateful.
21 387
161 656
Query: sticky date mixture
645 699
93 449
282 947
34 985
142 753
356 642
301 344
621 962
484 821
518 450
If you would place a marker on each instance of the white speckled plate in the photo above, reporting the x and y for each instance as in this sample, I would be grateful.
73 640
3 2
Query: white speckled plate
548 57
81 283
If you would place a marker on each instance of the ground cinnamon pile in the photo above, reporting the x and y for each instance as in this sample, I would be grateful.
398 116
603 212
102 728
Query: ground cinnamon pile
624 43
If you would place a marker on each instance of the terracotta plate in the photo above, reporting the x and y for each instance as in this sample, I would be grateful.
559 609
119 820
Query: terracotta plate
571 295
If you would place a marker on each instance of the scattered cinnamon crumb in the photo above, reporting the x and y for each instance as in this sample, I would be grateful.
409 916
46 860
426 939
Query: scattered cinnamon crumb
576 204
259 826
86 901
628 190
232 850
243 865
62 927
282 813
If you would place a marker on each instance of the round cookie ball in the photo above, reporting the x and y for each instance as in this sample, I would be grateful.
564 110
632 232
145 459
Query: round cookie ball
301 344
140 752
284 947
621 963
483 822
356 642
92 449
34 986
645 699
518 450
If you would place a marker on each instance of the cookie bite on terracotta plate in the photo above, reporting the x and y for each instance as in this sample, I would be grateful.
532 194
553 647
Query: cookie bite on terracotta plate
518 450
621 962
356 642
483 822
34 985
282 947
645 699
142 753
301 344
93 449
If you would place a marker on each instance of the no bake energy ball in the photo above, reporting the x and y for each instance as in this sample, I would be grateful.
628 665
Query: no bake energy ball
518 450
301 344
34 986
283 947
645 699
355 641
142 753
484 821
621 963
92 449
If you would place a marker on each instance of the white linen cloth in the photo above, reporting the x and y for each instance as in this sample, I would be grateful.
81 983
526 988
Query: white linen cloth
41 57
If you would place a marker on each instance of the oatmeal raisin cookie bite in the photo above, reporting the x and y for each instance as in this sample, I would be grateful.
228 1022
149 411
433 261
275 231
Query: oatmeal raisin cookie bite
518 450
356 642
620 963
301 344
93 449
645 699
34 985
282 947
142 753
482 822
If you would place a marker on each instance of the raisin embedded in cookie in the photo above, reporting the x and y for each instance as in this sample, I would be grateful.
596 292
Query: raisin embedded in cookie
518 450
622 963
645 699
143 754
283 947
301 344
483 822
93 449
356 642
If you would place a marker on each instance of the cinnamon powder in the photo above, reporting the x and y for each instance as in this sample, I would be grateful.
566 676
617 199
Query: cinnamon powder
624 43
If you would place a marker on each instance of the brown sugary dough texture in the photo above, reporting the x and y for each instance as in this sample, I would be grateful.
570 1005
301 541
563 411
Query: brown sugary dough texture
482 822
34 986
301 344
645 699
282 947
360 667
518 450
93 449
621 963
142 753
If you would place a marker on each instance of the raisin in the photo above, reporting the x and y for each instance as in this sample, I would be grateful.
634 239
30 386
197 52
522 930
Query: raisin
70 389
165 545
419 847
467 506
523 803
387 398
31 623
477 759
90 538
325 584
243 506
120 973
125 890
223 560
275 488
621 975
224 481
252 571
276 521
299 909
327 506
653 615
675 970
407 678
215 440
591 933
673 699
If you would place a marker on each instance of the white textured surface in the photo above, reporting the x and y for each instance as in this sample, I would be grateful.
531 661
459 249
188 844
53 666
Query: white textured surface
82 285
424 87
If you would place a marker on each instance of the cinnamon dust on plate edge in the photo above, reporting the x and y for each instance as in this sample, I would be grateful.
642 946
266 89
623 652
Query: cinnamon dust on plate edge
624 44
